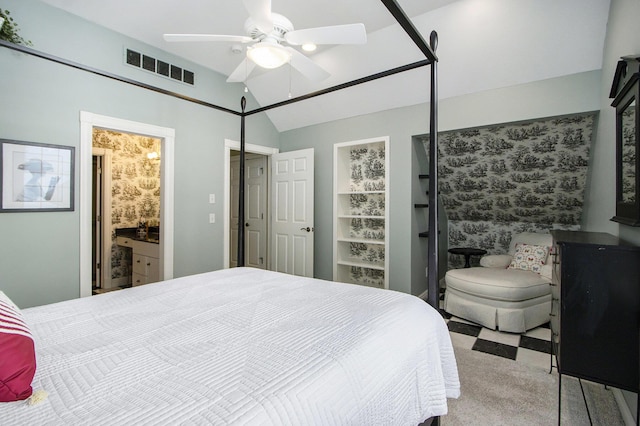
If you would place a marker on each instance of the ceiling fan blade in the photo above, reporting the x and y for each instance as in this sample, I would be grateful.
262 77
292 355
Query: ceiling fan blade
336 34
306 66
207 37
241 73
260 12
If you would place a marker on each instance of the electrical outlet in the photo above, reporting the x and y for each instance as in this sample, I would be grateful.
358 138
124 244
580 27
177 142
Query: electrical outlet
212 218
212 198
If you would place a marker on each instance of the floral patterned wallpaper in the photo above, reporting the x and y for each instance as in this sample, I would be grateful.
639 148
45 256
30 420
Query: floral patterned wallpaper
629 155
491 236
135 189
367 173
514 177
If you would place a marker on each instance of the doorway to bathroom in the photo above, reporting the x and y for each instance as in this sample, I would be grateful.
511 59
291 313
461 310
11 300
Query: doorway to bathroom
136 200
126 202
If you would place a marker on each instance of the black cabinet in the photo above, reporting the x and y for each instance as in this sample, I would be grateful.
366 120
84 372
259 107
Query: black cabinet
596 308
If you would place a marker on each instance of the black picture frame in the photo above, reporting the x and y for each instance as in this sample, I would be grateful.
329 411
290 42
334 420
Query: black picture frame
36 177
626 94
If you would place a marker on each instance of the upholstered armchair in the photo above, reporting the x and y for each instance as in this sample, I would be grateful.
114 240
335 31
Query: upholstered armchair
509 292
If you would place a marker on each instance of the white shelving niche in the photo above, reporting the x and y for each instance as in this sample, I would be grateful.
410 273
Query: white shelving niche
361 212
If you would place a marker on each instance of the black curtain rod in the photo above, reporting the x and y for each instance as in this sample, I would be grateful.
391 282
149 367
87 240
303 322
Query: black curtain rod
101 73
343 86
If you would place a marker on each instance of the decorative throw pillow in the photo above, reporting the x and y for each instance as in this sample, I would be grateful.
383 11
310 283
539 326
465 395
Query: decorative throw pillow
529 257
17 353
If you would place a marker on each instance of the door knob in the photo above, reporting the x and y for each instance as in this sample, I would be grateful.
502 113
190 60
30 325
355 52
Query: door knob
246 224
308 229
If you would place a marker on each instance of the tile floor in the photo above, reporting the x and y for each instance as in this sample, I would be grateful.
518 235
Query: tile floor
531 348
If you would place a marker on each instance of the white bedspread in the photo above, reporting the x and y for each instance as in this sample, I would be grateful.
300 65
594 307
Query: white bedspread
243 347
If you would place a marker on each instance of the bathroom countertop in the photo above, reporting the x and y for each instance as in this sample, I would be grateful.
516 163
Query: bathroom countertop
153 235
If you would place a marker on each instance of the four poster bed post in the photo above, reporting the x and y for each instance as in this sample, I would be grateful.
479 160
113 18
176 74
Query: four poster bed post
433 284
243 105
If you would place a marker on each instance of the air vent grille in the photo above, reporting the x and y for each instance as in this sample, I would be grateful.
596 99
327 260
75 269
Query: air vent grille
156 66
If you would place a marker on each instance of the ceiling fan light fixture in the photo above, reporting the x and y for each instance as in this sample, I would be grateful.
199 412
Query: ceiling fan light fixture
309 47
268 54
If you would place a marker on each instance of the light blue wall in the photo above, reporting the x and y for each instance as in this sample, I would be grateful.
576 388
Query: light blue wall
41 102
621 40
576 93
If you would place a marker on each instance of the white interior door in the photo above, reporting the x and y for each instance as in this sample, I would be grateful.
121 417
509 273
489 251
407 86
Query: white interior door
292 212
234 168
255 211
255 231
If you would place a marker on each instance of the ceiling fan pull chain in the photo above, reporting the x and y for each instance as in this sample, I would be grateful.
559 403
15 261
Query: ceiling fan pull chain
246 74
289 78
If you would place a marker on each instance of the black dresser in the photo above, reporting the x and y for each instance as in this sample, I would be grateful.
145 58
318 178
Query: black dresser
596 308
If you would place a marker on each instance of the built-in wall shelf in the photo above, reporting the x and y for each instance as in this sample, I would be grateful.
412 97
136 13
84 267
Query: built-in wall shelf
423 176
421 206
361 213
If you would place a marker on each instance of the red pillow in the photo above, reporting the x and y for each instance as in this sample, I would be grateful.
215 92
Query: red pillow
17 353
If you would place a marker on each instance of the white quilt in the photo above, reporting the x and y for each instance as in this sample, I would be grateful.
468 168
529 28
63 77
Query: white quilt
240 347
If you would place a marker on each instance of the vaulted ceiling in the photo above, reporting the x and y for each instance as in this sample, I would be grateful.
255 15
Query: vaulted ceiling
483 45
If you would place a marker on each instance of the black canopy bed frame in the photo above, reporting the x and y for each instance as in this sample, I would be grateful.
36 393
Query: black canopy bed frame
431 59
428 49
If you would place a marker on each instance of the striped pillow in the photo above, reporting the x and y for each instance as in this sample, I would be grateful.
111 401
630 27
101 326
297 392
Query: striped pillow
17 353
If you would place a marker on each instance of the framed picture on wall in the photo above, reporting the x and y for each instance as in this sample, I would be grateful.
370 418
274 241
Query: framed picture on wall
36 177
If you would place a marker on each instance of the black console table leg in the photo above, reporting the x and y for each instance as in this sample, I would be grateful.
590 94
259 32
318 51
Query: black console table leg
559 397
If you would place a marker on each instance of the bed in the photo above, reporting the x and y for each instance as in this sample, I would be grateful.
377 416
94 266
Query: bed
239 346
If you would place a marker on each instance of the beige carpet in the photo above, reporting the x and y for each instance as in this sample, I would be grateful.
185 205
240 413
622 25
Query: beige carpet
499 391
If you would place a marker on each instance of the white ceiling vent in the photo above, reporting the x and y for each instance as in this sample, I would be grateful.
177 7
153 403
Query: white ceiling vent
157 66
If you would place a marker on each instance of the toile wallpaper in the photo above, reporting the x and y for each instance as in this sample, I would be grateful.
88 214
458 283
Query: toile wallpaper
513 177
367 173
135 189
629 155
491 236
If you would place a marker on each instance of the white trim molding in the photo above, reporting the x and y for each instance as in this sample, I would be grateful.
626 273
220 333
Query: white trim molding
625 411
90 120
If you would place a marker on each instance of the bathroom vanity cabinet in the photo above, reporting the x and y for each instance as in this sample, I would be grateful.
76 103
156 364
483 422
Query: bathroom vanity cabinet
146 260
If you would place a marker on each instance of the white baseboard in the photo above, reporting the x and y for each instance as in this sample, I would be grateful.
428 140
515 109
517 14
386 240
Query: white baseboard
424 295
627 416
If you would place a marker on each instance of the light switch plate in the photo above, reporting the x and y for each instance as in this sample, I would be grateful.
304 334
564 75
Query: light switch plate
212 218
212 198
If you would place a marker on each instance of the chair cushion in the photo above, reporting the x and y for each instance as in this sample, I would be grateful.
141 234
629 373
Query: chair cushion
498 284
496 260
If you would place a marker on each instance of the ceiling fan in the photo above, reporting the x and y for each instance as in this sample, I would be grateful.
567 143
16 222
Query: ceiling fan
271 36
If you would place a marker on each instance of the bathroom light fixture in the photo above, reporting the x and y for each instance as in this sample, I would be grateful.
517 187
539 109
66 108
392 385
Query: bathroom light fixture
152 155
268 54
